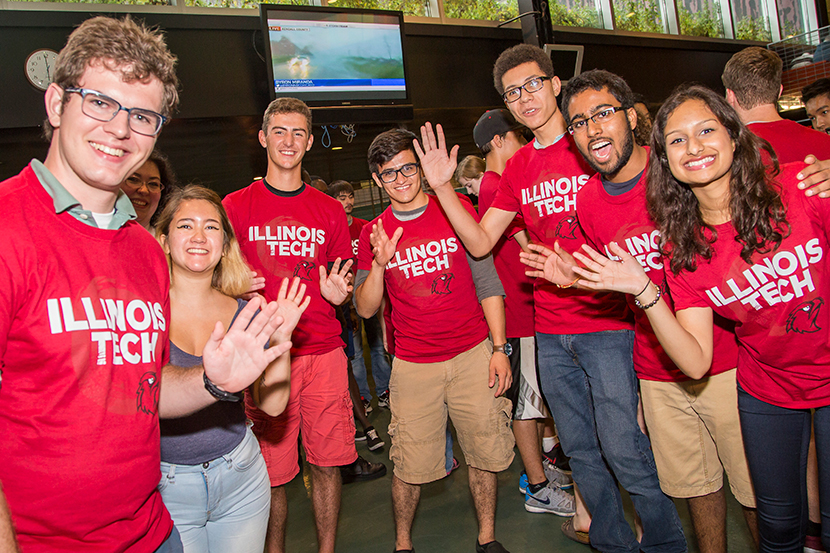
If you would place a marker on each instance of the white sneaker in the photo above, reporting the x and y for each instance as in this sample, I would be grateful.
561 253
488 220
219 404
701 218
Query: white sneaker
554 474
550 499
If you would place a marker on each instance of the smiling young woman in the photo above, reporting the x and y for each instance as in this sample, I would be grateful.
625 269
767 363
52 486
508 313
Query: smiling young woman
214 480
746 244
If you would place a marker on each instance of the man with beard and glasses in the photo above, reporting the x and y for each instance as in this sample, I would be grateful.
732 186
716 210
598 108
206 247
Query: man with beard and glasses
693 424
584 340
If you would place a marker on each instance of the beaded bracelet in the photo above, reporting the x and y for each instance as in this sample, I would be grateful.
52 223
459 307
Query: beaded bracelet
652 304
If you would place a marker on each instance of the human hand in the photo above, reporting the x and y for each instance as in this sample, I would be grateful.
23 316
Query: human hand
235 359
437 164
335 286
500 370
383 247
291 303
555 265
600 273
257 283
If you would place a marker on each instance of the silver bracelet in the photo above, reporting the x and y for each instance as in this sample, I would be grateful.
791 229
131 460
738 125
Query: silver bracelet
653 303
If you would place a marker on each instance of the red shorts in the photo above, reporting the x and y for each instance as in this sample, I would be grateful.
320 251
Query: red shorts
319 404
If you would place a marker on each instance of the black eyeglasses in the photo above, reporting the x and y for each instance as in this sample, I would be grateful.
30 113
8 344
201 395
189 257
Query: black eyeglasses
533 85
599 118
103 108
391 175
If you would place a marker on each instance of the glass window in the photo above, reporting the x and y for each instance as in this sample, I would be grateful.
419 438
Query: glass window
700 18
576 13
791 18
751 20
487 10
408 7
644 16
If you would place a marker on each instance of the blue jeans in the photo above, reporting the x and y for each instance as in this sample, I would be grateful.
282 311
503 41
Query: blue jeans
776 441
173 543
221 505
591 387
381 369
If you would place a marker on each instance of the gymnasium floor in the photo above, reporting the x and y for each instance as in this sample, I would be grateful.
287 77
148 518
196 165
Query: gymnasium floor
445 521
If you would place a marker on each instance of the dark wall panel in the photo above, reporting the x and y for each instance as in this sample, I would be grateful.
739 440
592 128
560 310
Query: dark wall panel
213 138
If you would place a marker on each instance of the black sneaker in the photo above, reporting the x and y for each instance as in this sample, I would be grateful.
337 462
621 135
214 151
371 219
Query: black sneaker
359 436
362 471
491 547
383 399
557 457
373 441
367 405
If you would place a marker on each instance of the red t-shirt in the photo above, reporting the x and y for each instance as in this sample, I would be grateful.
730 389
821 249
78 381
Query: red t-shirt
624 219
435 310
518 288
791 141
541 185
777 303
354 233
288 236
83 337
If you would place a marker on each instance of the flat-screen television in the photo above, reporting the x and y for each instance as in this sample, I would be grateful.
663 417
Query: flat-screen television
348 65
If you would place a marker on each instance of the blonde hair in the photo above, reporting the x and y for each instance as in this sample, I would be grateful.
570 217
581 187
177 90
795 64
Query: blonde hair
231 276
471 167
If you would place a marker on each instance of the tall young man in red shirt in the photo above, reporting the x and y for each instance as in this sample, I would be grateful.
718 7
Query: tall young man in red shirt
286 228
84 308
498 137
585 341
444 304
693 425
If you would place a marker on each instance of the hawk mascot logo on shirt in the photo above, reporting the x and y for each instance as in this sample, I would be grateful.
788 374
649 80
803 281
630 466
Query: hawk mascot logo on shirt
802 319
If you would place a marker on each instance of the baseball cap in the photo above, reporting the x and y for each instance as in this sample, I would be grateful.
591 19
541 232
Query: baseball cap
492 123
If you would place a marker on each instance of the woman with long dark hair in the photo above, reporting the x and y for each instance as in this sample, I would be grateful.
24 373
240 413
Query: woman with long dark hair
744 243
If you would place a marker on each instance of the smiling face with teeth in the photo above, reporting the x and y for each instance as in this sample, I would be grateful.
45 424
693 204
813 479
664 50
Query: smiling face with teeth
92 158
196 241
145 201
287 140
699 148
405 193
606 146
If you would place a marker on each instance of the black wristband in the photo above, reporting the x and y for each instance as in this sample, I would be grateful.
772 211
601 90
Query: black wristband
221 395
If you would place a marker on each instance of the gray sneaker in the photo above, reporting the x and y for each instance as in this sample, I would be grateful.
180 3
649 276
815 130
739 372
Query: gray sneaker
555 474
551 499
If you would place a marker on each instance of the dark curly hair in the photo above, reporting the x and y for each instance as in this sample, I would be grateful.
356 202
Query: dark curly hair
517 55
755 206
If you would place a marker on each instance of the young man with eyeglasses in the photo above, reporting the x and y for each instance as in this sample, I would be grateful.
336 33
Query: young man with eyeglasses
584 340
693 425
443 306
286 228
84 308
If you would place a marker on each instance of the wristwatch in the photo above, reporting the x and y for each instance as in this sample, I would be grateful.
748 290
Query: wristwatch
506 349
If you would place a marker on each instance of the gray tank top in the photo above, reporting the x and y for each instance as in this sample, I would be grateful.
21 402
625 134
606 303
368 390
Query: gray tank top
206 434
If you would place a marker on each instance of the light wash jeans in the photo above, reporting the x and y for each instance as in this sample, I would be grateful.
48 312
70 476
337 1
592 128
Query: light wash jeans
381 369
222 505
591 387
